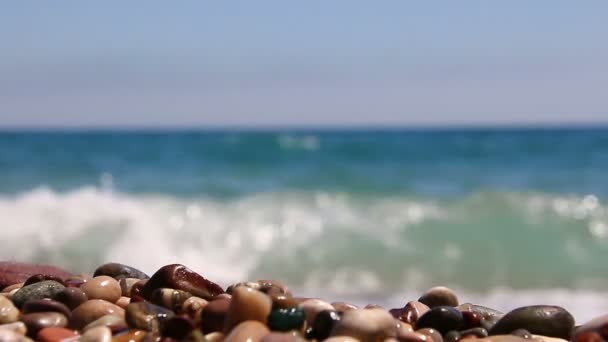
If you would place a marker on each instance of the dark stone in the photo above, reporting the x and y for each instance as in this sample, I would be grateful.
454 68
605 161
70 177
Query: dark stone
40 320
286 319
146 316
477 332
36 278
118 271
489 315
552 321
452 336
441 318
282 301
523 333
39 290
17 272
177 327
323 324
472 319
180 277
71 297
214 315
45 305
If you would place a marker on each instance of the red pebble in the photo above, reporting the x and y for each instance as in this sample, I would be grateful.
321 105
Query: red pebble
56 334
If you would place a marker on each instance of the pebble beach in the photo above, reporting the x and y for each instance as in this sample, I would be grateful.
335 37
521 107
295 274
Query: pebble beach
117 302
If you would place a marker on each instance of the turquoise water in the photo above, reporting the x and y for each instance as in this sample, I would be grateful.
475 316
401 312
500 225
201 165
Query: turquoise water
362 214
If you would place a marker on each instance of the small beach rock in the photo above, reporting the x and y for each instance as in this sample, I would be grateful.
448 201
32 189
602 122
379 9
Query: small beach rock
496 338
341 339
489 315
410 336
286 319
40 320
17 272
56 334
247 304
169 298
213 316
248 331
180 277
410 312
45 305
547 320
146 316
110 321
214 337
91 310
118 271
441 318
282 300
193 308
324 323
177 327
97 334
439 296
11 336
312 307
474 332
126 284
39 290
8 311
433 334
102 287
123 302
12 287
36 278
366 325
71 297
17 327
130 336
281 337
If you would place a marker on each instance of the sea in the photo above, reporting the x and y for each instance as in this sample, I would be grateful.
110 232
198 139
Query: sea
505 216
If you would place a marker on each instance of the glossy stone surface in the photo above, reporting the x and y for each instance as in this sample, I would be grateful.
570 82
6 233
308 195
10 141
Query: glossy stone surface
91 310
366 325
110 321
40 290
146 316
286 319
441 318
17 327
45 305
11 336
40 320
213 316
36 278
177 327
248 331
489 315
439 296
552 321
247 304
97 334
71 297
180 277
118 271
324 323
56 334
312 307
169 298
410 312
102 287
8 312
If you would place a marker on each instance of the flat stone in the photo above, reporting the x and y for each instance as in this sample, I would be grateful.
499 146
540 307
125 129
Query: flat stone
118 271
247 304
97 334
8 312
441 318
45 305
17 272
366 325
91 310
102 287
56 334
147 316
439 296
213 316
40 320
547 320
71 297
180 277
40 290
248 331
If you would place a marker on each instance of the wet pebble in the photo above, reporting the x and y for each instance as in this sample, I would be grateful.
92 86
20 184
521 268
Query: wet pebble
56 334
247 304
213 316
71 297
248 331
110 321
91 310
441 318
118 271
312 307
410 312
45 305
97 334
102 287
39 290
177 327
286 319
126 284
8 312
39 320
324 323
147 316
169 298
439 296
17 327
547 320
366 325
11 336
180 277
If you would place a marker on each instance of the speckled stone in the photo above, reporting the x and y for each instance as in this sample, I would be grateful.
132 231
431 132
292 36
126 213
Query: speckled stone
367 325
97 334
91 310
71 297
40 320
248 331
441 318
312 307
40 290
56 334
180 277
547 320
45 305
439 296
102 287
213 316
147 316
17 327
247 304
8 312
118 271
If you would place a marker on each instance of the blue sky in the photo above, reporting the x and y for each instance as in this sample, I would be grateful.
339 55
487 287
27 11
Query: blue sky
196 63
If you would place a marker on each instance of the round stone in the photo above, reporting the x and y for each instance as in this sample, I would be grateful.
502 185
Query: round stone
111 321
91 310
324 323
17 327
102 287
441 318
366 325
147 316
250 331
40 320
247 304
410 312
71 297
118 271
169 298
193 308
439 296
126 284
39 290
11 336
286 319
8 312
547 320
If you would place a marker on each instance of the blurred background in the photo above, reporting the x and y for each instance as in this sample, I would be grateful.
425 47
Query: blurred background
356 151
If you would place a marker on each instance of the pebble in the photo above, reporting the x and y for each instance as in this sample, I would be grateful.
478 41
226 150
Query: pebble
169 298
595 325
11 336
177 327
180 277
18 327
312 307
489 315
286 319
71 297
214 337
110 321
8 312
441 318
56 334
439 296
324 323
146 316
213 315
343 306
367 325
126 284
91 310
102 287
193 308
247 304
39 320
97 334
248 331
45 305
36 278
130 336
12 287
281 337
341 339
552 321
433 334
123 302
410 312
39 290
118 271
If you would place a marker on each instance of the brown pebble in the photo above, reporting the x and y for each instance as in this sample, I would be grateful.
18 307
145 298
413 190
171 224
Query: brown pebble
8 312
45 305
97 334
123 302
248 331
71 297
11 336
17 327
91 310
274 336
439 296
367 325
130 336
312 307
215 337
12 287
342 306
102 287
180 277
432 333
340 339
110 321
193 307
214 314
126 284
410 312
247 304
56 334
40 320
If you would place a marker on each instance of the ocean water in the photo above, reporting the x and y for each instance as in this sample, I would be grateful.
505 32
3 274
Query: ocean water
506 217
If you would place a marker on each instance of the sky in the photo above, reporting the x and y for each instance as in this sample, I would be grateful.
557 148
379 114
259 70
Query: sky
311 63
